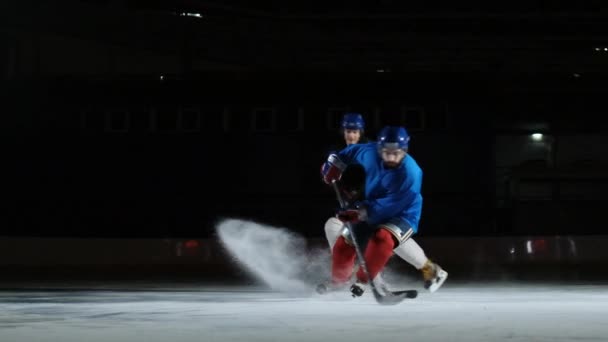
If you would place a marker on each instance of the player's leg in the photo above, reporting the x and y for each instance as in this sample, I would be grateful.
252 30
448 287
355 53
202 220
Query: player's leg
401 232
343 255
378 252
333 229
434 276
342 261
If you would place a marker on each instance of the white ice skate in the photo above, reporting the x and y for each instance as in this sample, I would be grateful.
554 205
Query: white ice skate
434 276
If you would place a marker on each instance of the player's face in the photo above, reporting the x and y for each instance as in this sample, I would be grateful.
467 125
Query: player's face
392 157
352 136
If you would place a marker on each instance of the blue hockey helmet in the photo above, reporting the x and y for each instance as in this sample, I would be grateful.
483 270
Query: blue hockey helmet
353 121
393 137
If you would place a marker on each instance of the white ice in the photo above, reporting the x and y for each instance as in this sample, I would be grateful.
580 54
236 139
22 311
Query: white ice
285 308
507 312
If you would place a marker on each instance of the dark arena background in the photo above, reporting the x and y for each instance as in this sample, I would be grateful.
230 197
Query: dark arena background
160 167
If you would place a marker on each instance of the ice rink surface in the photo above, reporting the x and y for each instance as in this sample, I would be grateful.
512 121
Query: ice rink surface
493 312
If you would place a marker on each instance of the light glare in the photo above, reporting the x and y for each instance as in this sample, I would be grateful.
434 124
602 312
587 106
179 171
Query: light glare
537 136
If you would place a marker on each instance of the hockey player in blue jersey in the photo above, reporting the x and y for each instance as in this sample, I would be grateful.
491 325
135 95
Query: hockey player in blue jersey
352 184
390 211
352 131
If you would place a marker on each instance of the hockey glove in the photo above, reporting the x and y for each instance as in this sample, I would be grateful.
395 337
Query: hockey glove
349 215
332 169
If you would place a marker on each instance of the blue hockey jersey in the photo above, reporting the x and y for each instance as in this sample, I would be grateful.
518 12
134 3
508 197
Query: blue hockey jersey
389 193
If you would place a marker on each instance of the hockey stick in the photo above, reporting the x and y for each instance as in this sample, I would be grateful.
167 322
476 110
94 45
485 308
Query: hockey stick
391 298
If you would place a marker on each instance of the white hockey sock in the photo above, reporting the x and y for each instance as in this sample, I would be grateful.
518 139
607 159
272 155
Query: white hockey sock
411 252
333 229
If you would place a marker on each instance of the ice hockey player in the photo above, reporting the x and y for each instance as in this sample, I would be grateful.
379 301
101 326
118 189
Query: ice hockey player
353 132
352 182
389 213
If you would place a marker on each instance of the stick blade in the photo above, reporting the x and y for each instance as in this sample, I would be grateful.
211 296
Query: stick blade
408 293
394 298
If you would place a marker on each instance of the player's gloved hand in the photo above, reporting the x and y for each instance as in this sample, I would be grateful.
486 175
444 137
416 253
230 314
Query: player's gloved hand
332 169
349 215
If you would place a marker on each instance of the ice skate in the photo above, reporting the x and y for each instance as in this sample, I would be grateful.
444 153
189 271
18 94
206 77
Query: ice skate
434 276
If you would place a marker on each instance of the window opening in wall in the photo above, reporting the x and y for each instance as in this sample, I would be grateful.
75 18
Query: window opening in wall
237 118
388 115
413 118
300 115
334 117
117 120
263 119
189 119
142 119
166 119
83 119
316 118
290 119
212 120
226 118
377 115
436 117
92 120
69 121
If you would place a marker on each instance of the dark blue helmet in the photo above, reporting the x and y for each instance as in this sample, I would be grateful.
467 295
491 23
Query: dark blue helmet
393 137
353 121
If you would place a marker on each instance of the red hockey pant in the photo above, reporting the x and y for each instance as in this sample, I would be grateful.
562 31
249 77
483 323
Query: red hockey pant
379 250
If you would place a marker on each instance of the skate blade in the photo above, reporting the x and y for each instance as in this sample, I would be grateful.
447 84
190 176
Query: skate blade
442 276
